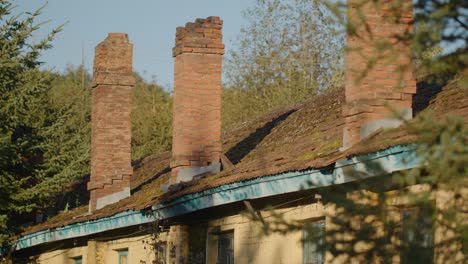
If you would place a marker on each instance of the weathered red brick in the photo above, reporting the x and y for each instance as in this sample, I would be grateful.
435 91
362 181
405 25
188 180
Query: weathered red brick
388 82
197 94
110 118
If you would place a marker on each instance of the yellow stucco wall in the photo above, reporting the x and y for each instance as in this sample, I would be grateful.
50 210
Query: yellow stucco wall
63 256
103 252
250 244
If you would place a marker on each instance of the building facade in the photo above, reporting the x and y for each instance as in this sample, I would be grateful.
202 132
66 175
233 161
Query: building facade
213 197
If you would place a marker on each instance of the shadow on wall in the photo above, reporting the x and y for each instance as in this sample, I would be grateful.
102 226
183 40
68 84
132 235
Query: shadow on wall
243 148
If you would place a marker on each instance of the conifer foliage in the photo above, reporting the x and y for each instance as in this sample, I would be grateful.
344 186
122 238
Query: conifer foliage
23 90
45 129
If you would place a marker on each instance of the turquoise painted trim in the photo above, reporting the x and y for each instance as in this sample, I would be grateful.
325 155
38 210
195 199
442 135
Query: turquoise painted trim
364 166
119 220
383 162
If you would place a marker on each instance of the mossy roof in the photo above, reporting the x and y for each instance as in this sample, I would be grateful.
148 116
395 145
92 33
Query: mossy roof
294 138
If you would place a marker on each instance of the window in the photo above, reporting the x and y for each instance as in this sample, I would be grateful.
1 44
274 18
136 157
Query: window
78 260
313 237
226 248
123 256
161 252
417 235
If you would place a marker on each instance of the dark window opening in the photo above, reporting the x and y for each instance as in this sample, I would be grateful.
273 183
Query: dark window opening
226 248
78 260
417 235
161 249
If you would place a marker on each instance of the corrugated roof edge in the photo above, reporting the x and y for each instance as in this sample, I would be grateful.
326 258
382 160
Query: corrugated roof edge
393 159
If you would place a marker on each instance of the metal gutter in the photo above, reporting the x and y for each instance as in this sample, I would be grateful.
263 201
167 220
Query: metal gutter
124 219
346 170
370 165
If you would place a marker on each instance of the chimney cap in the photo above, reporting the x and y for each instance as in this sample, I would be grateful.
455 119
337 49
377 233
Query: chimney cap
117 35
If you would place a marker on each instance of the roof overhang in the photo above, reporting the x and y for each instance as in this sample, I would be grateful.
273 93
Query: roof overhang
397 158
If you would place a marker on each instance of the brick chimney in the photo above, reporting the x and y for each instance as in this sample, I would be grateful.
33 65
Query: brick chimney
110 121
196 137
386 86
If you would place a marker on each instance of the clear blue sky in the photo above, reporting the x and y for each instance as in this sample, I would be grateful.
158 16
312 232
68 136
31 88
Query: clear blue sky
151 26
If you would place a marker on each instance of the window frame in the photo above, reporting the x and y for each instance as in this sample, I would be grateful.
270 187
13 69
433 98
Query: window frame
408 247
318 257
228 234
122 252
77 260
161 247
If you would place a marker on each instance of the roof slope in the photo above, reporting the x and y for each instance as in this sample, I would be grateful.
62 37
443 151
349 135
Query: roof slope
307 135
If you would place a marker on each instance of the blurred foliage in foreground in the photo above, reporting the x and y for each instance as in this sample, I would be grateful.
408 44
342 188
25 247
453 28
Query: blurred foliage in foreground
414 216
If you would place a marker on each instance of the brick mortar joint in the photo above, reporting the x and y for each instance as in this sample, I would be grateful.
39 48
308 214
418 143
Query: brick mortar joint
201 36
177 162
109 182
178 50
129 83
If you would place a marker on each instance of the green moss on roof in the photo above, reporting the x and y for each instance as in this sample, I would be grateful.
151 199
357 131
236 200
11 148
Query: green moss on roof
322 150
306 135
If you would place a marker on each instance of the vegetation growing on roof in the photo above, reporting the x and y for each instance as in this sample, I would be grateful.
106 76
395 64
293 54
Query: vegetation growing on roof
23 90
323 149
277 142
289 50
47 139
411 224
